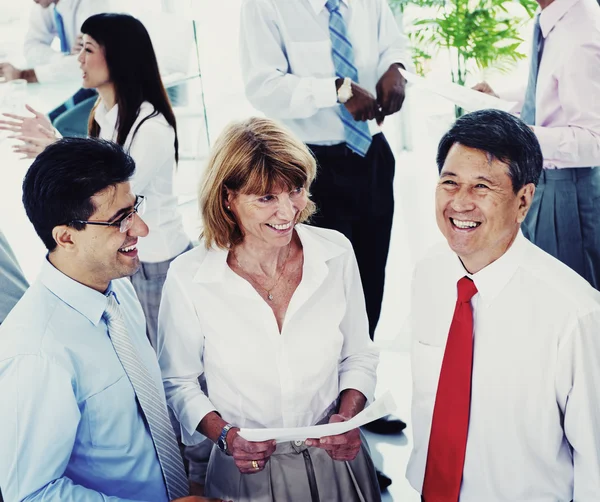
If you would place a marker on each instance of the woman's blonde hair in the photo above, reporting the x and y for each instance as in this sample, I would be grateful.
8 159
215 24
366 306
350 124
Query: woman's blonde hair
253 156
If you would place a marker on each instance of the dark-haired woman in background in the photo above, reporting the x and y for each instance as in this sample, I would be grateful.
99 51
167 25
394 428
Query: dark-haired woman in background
133 110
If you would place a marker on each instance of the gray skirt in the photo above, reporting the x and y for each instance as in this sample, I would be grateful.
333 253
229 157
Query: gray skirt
295 473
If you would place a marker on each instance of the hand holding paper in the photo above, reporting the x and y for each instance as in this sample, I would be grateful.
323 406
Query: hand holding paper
468 99
379 408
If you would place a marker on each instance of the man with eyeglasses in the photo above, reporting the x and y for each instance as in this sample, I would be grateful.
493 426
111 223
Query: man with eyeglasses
83 413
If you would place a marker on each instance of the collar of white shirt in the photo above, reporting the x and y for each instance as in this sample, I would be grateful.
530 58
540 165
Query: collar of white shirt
317 251
87 301
107 119
491 280
64 7
319 5
552 14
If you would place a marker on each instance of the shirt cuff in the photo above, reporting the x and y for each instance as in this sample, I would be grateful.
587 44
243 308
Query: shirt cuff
357 380
384 64
324 92
191 415
548 140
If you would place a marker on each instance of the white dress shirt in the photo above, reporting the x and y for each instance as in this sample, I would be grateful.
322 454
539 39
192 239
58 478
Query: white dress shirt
51 65
534 428
154 154
285 52
213 322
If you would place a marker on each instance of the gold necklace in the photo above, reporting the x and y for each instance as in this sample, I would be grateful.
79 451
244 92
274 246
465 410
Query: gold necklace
268 291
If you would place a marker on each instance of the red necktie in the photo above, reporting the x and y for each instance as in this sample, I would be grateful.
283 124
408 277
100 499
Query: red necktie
450 424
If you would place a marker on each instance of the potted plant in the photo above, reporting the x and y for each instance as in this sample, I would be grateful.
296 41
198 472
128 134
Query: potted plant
476 33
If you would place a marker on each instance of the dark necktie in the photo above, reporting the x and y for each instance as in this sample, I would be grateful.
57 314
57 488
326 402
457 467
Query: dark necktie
528 110
450 423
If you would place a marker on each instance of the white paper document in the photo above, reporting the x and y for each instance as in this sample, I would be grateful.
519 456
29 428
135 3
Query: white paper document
379 408
464 97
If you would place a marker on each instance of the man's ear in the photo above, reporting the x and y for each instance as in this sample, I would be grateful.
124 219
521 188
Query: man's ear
65 237
525 197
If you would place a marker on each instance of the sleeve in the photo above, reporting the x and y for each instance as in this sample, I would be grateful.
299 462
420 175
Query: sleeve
152 149
577 144
39 37
269 85
578 380
360 357
38 424
393 45
61 68
180 346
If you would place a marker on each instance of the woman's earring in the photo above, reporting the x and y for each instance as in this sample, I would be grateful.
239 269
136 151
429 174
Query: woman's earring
228 208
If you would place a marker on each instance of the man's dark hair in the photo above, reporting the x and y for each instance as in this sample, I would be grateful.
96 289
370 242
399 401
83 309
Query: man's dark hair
501 135
60 183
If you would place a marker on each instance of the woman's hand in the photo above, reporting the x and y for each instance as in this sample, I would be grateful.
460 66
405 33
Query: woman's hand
31 146
250 457
341 446
27 126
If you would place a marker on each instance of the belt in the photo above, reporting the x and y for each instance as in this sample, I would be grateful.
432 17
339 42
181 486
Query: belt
338 150
569 173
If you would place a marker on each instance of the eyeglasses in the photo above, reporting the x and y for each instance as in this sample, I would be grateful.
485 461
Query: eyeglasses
125 222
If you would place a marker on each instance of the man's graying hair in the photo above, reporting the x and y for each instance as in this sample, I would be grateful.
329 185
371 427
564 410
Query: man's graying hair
502 136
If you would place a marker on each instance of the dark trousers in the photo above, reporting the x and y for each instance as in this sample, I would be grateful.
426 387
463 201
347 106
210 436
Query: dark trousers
354 195
564 219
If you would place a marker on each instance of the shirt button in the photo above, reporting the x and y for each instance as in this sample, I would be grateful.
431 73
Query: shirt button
298 443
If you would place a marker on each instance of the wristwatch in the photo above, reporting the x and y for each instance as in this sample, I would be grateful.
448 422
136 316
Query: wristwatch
344 93
222 441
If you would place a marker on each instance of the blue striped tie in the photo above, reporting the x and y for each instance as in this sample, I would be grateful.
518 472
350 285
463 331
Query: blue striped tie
358 137
60 29
528 110
151 403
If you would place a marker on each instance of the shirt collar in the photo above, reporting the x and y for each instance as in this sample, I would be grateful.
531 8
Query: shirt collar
552 14
64 6
87 301
316 253
491 280
107 119
319 5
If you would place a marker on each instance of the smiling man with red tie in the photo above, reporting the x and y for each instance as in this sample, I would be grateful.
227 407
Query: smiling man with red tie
506 352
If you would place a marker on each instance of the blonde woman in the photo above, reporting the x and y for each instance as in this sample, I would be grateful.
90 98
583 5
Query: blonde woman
271 313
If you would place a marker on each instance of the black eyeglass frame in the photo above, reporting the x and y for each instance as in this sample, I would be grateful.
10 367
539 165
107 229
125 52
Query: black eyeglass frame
139 200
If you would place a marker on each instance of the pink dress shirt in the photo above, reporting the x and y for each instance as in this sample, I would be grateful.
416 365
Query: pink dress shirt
568 85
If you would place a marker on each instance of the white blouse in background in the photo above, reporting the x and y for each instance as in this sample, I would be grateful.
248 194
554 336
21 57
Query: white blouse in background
213 322
534 428
153 150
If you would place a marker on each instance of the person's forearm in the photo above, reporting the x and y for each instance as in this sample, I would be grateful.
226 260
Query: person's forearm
29 75
211 426
352 402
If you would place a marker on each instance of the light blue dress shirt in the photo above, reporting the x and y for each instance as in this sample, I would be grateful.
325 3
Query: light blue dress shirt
70 426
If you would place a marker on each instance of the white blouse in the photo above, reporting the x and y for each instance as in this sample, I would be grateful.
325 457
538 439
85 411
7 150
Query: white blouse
154 155
213 323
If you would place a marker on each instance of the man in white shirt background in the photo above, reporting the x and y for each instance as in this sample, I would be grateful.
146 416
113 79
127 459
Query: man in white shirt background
506 370
62 20
328 69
